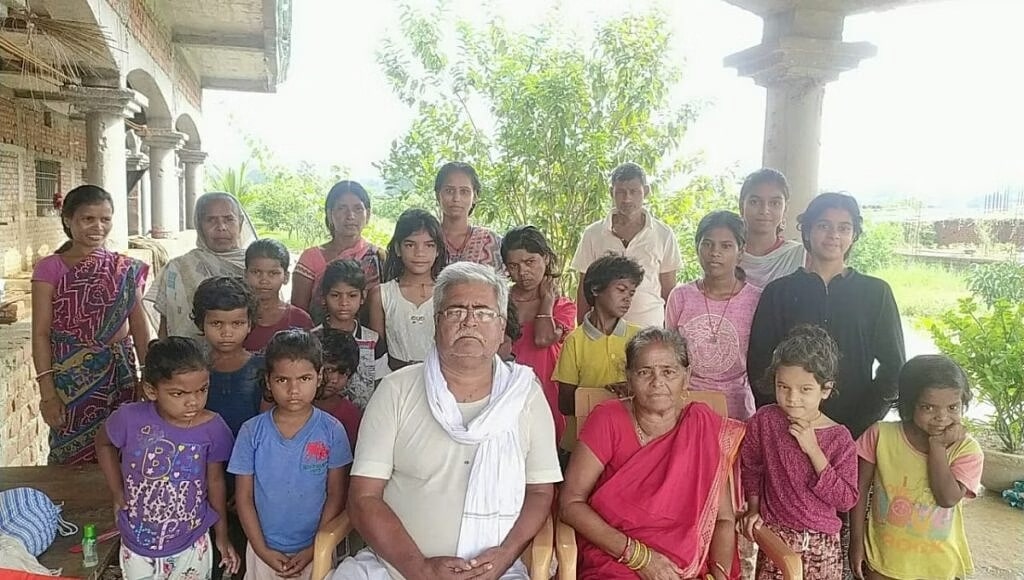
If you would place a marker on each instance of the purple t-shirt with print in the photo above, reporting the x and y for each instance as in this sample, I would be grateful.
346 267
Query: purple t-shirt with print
163 468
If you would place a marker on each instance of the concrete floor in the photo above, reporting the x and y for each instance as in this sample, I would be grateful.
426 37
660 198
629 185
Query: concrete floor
996 535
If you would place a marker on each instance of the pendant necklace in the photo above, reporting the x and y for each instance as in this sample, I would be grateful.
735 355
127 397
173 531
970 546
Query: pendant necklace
712 329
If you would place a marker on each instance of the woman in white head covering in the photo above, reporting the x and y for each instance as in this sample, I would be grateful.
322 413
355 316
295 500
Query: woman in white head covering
223 232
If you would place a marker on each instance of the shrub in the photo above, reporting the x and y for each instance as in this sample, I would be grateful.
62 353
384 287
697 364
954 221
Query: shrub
990 347
877 247
990 282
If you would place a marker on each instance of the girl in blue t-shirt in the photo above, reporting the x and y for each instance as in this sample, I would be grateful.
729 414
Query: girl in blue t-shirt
291 463
163 460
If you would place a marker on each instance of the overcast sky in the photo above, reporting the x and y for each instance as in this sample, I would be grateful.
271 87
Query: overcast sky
938 113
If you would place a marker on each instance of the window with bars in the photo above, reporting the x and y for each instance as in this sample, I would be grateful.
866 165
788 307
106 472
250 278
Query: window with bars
47 185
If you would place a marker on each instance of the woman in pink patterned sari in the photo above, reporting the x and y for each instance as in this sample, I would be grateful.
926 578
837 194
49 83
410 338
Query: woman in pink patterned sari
348 211
88 327
457 188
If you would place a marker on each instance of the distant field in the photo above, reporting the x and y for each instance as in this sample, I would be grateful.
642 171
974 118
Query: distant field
924 290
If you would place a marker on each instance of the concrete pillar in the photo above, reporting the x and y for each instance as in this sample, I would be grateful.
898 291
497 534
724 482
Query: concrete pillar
193 161
105 110
181 195
145 204
163 184
140 162
801 51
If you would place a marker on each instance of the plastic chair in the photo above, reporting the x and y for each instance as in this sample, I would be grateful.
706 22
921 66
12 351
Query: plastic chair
565 537
537 556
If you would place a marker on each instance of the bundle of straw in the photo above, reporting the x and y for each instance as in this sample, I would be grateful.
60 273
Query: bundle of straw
75 46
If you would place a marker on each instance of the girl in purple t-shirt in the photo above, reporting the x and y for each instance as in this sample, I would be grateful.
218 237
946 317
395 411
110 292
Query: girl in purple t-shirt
799 466
714 314
163 460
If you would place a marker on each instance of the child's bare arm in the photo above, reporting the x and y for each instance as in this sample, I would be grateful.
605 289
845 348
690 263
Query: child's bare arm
567 398
375 308
218 492
337 491
946 489
110 463
858 517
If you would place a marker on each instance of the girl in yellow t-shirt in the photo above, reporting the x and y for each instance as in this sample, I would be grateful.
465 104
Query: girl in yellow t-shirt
921 468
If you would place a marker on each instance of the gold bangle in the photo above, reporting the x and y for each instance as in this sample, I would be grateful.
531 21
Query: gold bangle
641 556
44 373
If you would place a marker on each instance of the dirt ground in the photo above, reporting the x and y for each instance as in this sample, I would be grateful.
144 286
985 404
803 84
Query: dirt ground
996 534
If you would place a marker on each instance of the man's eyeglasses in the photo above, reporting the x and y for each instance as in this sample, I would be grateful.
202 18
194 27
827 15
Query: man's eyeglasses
459 314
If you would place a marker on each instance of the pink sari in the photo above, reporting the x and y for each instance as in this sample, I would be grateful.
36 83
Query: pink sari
312 264
666 495
93 373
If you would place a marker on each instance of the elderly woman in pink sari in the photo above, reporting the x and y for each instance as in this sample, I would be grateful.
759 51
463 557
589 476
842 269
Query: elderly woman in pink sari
347 213
647 486
88 327
223 232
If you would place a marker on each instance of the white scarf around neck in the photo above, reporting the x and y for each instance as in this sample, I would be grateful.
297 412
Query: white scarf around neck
497 478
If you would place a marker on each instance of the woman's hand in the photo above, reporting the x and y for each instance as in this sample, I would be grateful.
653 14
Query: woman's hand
52 410
660 568
548 290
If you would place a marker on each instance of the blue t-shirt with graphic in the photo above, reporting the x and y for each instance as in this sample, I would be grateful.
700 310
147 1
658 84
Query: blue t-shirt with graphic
163 469
236 396
290 475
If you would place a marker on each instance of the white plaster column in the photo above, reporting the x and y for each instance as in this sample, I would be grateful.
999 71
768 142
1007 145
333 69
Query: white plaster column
163 174
140 162
193 161
801 52
105 110
145 204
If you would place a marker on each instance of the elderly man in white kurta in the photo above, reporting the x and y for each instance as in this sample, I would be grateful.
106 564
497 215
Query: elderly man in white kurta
631 230
456 457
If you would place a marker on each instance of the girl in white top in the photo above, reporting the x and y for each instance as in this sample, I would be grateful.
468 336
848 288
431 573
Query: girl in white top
767 255
402 309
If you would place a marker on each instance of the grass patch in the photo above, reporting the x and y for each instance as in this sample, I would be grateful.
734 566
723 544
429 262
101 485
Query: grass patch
294 244
924 290
377 232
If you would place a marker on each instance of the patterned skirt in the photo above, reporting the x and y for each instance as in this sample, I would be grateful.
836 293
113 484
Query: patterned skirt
820 554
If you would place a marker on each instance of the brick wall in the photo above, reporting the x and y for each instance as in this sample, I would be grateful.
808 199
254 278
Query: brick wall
1003 231
143 23
23 434
25 137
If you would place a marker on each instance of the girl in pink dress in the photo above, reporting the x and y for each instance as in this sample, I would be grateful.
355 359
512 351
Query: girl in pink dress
714 313
545 316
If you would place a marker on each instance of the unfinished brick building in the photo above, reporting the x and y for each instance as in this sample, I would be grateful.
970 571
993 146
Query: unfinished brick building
108 92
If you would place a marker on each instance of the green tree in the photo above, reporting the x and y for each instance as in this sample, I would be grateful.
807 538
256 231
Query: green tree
541 116
683 210
877 247
233 180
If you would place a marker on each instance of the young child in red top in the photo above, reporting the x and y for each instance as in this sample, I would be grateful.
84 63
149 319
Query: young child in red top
266 269
799 466
341 359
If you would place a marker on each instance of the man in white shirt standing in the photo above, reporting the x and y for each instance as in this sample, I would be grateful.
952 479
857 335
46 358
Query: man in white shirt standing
631 230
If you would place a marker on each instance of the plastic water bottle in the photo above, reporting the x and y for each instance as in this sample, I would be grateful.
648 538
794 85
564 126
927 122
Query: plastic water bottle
89 557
